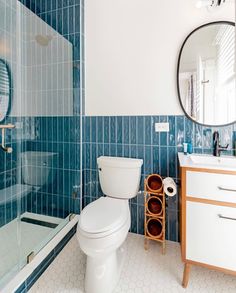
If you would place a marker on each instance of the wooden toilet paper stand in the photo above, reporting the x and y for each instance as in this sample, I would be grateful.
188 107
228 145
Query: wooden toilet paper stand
154 218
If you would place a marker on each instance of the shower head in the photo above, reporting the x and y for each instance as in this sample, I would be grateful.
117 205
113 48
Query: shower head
43 40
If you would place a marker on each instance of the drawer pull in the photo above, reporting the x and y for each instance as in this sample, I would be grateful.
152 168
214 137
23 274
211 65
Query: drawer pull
226 218
226 189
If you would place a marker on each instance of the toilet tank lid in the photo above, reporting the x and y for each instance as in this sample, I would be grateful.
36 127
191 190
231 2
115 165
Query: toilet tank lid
119 162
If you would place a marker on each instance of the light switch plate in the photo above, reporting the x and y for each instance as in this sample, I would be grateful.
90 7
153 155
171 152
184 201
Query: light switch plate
162 127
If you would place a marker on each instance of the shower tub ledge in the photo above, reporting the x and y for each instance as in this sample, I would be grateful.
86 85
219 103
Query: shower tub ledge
28 269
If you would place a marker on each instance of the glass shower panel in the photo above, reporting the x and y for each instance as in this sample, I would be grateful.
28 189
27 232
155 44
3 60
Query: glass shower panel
40 179
10 164
49 148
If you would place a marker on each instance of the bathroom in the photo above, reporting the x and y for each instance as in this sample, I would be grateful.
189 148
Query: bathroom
93 102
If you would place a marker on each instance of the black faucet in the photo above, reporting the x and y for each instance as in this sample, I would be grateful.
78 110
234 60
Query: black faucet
216 144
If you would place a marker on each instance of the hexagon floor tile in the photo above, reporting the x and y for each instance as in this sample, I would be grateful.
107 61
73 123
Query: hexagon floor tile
143 272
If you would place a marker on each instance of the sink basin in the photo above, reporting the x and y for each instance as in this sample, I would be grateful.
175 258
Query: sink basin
211 160
207 161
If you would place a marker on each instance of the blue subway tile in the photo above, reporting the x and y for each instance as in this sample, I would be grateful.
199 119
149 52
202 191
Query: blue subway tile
126 130
133 151
180 138
155 135
112 130
87 129
156 159
119 149
134 224
113 150
172 131
99 150
172 161
119 129
207 140
93 161
140 130
148 130
99 129
172 223
133 129
141 220
164 161
106 149
126 151
106 130
189 131
148 160
93 129
198 136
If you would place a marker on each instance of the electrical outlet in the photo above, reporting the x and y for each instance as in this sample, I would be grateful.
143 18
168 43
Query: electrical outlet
162 127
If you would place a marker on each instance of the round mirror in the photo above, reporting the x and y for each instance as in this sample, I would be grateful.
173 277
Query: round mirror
206 74
5 90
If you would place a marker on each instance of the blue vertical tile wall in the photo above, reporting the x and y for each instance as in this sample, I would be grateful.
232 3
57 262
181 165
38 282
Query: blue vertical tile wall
135 137
8 175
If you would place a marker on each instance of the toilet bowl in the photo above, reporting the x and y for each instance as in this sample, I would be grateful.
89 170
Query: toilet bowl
104 223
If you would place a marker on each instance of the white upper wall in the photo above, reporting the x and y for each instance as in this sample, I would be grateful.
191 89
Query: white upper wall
132 48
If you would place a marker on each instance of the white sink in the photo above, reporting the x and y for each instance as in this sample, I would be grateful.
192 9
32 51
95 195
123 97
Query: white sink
207 161
211 160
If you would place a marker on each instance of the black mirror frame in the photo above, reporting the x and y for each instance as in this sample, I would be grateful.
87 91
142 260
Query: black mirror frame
178 67
10 89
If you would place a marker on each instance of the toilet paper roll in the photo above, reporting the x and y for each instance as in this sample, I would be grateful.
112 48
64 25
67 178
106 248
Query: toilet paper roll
170 187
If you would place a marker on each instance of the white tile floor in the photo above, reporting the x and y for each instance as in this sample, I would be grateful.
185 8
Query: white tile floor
143 271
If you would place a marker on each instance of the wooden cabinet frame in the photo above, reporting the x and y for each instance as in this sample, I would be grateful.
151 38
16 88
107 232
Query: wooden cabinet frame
183 200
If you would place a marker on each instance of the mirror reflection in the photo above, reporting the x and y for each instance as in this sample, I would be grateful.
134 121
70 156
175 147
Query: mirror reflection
206 74
5 90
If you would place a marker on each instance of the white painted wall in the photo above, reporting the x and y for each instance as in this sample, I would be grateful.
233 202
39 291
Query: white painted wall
131 52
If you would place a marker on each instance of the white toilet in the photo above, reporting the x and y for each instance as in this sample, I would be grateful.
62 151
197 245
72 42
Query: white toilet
104 223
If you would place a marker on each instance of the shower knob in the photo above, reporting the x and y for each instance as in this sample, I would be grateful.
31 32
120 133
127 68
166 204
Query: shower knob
9 150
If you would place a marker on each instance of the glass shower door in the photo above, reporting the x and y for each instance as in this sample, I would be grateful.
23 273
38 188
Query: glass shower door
40 179
10 163
43 52
50 155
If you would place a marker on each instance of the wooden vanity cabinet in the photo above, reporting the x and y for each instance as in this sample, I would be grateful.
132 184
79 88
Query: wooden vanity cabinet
208 220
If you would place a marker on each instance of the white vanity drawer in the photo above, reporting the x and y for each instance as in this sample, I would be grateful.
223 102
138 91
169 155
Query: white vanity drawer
211 238
213 186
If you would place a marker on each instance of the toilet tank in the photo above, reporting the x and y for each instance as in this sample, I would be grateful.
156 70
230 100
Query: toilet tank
38 168
119 177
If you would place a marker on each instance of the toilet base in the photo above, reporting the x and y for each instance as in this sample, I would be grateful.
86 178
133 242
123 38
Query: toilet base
102 274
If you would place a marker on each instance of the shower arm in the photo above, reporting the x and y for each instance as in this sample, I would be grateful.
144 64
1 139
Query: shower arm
3 147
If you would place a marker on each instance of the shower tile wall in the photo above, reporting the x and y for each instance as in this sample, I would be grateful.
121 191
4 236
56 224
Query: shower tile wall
59 133
135 137
8 177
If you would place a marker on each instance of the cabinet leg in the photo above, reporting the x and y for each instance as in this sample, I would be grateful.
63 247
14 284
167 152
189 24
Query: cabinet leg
187 269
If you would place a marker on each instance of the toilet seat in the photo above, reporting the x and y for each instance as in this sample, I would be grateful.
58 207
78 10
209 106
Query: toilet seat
103 217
